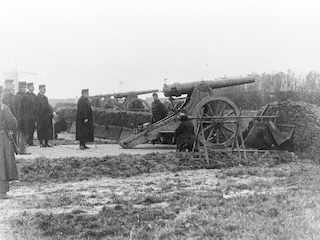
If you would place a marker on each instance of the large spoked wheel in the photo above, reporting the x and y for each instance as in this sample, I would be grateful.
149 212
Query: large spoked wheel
218 125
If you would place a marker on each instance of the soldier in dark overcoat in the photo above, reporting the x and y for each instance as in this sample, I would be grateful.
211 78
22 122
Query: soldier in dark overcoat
184 134
32 113
8 167
8 93
20 107
84 121
44 118
158 109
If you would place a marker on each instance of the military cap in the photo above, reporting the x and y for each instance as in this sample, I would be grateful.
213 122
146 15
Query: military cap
8 81
1 90
85 91
155 94
30 84
42 86
22 84
183 116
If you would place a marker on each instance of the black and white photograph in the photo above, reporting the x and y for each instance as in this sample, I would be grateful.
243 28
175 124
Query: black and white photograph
159 119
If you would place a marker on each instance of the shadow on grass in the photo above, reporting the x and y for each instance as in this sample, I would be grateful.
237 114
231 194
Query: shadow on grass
109 222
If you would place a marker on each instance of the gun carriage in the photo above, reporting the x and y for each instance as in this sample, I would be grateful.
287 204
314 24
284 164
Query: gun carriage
219 114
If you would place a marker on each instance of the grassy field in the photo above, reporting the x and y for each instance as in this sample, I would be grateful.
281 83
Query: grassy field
169 196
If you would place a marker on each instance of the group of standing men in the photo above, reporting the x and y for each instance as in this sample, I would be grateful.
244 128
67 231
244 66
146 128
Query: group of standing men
31 111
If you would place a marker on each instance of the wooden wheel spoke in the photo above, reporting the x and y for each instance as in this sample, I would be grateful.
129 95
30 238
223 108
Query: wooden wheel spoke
224 134
228 129
210 134
209 106
229 113
206 128
217 136
215 108
222 110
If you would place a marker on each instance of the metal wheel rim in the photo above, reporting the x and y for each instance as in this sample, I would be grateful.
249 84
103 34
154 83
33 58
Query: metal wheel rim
219 121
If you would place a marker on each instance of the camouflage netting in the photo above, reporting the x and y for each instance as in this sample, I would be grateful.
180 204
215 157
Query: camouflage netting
106 117
120 118
306 118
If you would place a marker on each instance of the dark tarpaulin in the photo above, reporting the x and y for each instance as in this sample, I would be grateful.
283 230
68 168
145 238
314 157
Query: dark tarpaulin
270 136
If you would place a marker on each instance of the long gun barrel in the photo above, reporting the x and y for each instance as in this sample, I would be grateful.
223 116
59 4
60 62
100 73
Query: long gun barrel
177 89
135 93
102 96
125 94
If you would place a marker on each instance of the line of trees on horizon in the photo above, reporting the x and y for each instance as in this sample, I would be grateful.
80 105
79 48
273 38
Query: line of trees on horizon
271 87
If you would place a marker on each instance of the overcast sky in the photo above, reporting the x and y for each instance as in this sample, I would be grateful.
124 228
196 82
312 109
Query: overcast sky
114 46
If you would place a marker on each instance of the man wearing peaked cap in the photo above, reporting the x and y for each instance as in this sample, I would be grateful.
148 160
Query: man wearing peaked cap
30 85
158 109
32 112
44 118
8 84
8 93
21 113
84 120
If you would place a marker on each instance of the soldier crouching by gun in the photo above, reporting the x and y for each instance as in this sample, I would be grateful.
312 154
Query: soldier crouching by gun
8 168
184 134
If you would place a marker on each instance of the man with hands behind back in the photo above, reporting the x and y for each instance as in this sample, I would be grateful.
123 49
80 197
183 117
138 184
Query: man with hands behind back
84 121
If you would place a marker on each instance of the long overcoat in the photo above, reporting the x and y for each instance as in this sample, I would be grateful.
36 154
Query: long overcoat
158 111
8 168
31 111
84 131
20 107
44 118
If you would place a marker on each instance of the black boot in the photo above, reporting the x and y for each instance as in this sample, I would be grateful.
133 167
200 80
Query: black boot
47 144
82 145
41 143
31 143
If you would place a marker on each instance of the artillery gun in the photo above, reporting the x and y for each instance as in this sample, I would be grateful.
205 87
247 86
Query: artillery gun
124 100
220 113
